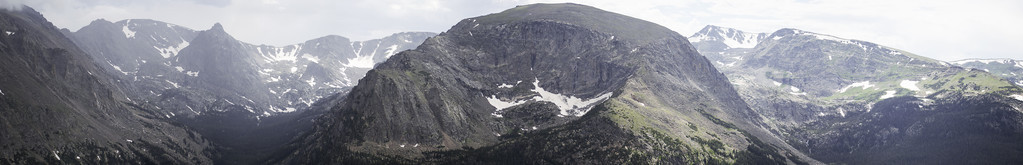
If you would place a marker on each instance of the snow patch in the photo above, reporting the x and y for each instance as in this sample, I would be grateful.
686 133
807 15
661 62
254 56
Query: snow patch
501 105
865 85
311 58
2 92
794 89
128 33
118 68
275 54
888 94
311 81
179 68
360 62
569 105
171 51
1017 97
391 50
776 83
173 84
911 85
193 74
9 32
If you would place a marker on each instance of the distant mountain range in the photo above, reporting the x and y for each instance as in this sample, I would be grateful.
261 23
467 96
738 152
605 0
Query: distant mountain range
188 72
1009 69
247 99
849 101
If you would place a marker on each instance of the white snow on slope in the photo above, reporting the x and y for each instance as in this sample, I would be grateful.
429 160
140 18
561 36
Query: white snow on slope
173 84
128 33
171 51
311 81
888 94
911 85
360 62
865 85
311 58
9 32
501 105
391 50
274 54
1017 97
569 105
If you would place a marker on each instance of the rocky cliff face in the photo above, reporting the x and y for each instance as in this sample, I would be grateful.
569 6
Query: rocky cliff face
847 101
58 107
556 83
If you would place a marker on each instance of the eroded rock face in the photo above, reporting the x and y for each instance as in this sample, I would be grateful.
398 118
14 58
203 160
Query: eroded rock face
550 81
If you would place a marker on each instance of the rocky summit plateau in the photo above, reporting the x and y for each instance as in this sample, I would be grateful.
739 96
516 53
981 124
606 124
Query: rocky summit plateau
534 84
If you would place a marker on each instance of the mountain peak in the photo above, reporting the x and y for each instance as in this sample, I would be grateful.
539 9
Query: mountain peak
731 38
624 27
217 27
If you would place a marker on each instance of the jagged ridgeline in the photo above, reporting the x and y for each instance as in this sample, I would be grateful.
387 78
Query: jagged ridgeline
545 83
57 107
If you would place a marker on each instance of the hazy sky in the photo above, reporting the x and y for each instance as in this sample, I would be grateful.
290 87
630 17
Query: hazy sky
945 30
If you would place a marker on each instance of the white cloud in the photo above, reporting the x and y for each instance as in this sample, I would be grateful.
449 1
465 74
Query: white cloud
942 29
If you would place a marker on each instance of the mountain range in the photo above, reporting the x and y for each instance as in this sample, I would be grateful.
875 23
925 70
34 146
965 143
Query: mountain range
849 101
1009 69
534 84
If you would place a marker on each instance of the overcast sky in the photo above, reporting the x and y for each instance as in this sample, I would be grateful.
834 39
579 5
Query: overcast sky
945 30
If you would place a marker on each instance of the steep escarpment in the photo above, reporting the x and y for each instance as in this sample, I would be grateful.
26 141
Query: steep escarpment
556 83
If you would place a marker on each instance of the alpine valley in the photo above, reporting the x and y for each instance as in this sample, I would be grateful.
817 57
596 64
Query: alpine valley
534 84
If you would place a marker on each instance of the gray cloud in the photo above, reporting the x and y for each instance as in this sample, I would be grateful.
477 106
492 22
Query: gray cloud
945 30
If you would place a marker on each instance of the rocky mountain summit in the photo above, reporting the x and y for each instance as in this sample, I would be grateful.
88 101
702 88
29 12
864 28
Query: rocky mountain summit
545 83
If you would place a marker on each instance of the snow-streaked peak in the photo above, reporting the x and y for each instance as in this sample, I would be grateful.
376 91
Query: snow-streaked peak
988 61
731 37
